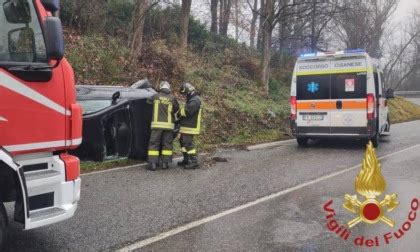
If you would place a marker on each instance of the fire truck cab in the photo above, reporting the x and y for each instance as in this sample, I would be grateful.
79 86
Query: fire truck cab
339 95
39 117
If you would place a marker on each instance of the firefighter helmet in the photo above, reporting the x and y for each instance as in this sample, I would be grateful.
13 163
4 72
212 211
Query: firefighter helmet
187 88
164 85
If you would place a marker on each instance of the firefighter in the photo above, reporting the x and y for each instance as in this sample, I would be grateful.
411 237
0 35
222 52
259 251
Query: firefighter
190 122
165 106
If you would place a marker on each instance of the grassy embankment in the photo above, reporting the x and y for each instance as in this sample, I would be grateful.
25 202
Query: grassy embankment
402 110
237 112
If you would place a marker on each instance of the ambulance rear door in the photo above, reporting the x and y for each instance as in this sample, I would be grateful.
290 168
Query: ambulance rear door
313 97
348 93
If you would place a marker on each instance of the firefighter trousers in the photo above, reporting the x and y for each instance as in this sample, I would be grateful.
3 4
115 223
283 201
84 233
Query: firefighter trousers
187 144
160 144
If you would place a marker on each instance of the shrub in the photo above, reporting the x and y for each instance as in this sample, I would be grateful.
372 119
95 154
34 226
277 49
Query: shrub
98 59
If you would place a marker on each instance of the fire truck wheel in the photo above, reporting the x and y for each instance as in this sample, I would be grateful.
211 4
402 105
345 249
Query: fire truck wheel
3 227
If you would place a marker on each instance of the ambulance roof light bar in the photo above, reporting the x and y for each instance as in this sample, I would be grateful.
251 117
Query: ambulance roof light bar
357 50
306 55
333 53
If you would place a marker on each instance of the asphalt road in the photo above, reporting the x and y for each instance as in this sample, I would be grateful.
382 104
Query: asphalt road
212 205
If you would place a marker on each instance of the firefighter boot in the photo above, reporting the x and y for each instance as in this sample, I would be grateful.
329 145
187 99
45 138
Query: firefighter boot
165 166
193 164
152 167
185 161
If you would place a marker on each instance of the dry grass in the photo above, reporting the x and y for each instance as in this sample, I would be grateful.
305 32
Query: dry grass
402 110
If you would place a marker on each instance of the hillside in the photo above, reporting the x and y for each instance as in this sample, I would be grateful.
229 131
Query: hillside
236 111
226 73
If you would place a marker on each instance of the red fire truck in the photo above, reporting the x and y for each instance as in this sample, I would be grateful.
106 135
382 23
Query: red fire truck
39 117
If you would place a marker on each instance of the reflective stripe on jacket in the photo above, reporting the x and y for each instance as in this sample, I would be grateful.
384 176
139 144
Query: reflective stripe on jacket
165 106
191 115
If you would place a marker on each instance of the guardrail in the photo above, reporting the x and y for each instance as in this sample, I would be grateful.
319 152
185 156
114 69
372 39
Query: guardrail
408 93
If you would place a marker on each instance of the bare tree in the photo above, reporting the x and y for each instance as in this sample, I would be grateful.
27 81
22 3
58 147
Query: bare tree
184 21
260 24
236 20
322 13
275 12
225 9
213 10
403 56
267 34
362 24
253 24
138 27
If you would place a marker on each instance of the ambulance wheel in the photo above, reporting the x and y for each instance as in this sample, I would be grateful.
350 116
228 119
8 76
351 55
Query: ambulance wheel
3 228
375 140
302 141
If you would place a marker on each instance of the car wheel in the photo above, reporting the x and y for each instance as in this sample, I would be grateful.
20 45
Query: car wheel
302 141
3 228
375 140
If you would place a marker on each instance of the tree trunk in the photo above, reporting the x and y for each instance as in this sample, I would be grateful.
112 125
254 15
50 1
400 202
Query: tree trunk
138 28
281 42
266 54
260 26
253 24
236 21
184 21
222 2
225 8
213 10
314 41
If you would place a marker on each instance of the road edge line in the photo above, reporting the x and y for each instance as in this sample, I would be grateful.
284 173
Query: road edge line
123 168
268 145
210 218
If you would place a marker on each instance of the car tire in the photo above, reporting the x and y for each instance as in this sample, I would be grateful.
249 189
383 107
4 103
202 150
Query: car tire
375 140
302 141
3 228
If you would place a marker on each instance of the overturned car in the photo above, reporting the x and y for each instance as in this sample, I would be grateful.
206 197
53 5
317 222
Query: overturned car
116 121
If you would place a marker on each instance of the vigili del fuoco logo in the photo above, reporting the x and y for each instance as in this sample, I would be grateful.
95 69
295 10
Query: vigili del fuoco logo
372 208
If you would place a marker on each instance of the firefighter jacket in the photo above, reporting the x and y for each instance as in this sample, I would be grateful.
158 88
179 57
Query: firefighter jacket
190 115
165 106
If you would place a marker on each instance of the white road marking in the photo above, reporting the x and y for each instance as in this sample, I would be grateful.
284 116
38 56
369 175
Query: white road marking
124 168
194 224
269 145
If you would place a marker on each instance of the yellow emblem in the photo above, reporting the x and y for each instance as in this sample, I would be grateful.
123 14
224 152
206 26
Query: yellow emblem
370 183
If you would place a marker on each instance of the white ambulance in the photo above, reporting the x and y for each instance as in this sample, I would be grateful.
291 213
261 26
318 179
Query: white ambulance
339 95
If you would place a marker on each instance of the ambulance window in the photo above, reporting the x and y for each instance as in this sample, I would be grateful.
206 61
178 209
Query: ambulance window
313 87
348 85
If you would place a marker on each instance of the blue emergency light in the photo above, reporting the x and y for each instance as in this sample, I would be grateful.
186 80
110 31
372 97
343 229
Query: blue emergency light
304 55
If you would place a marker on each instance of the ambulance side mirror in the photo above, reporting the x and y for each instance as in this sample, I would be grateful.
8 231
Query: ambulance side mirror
389 94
